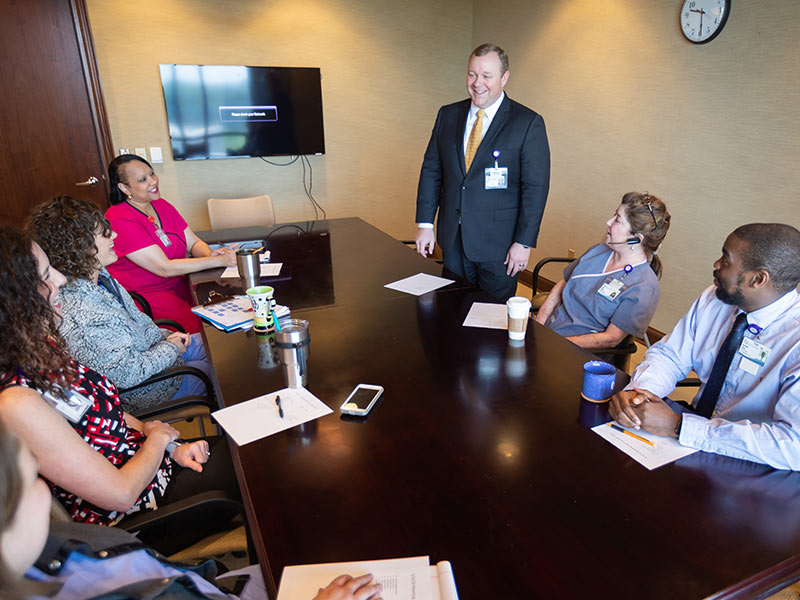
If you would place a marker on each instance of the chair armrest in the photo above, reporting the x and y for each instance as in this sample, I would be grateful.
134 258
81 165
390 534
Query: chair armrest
144 305
191 406
174 372
183 510
542 263
185 507
626 346
171 324
616 351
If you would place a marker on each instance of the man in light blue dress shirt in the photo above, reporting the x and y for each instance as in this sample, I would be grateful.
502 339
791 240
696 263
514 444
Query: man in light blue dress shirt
756 416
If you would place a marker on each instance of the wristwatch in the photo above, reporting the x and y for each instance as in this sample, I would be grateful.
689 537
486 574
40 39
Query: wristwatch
678 428
172 445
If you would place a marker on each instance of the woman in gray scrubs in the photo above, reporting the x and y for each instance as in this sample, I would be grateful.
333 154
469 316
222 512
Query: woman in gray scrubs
612 290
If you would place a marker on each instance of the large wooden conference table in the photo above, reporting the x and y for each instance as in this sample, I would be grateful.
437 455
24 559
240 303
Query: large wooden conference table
479 452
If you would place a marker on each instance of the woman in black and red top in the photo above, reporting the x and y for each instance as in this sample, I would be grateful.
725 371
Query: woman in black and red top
101 463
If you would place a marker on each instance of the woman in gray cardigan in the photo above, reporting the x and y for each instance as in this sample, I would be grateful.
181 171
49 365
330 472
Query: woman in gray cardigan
102 326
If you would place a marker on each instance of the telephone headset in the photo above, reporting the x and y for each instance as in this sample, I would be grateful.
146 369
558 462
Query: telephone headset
632 241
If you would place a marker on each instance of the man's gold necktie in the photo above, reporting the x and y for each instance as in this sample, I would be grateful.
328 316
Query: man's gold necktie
474 139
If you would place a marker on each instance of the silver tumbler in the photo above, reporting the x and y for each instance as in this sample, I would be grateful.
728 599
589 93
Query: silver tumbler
293 348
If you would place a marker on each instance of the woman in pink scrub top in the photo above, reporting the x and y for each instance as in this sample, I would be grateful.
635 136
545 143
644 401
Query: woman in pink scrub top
155 244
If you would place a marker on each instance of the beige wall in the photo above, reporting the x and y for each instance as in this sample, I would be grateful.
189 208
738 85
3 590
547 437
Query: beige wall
629 104
386 67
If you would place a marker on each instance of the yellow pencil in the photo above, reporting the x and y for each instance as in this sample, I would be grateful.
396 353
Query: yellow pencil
633 435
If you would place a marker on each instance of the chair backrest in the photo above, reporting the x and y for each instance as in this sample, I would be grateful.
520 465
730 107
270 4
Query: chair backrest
224 213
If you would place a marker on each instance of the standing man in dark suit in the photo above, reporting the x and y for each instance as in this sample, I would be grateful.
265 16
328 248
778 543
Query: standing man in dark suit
487 171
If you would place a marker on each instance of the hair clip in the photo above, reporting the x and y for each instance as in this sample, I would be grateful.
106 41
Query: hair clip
646 198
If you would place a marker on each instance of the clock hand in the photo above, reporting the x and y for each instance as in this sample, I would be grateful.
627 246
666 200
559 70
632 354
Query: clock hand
702 12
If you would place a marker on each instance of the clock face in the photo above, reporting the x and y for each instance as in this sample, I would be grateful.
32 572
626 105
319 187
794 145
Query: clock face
702 20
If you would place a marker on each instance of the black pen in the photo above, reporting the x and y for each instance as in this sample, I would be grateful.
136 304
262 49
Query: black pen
278 402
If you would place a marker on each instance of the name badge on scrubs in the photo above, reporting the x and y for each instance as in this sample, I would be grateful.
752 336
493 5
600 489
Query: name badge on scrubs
611 289
495 178
163 237
754 355
72 408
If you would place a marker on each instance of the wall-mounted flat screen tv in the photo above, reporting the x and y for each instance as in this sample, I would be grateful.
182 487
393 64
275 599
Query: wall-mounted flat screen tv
225 111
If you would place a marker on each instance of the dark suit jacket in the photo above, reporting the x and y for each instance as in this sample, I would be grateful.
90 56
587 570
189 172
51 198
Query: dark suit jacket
491 220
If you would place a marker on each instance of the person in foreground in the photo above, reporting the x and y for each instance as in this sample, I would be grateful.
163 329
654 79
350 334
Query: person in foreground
100 322
610 292
487 172
73 561
102 464
742 338
156 246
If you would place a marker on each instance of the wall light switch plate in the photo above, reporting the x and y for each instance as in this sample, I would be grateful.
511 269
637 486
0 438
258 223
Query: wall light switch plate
155 154
142 152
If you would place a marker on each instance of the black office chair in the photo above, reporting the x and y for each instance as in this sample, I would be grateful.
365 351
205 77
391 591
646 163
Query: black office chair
176 513
689 382
540 297
181 514
182 409
619 355
145 307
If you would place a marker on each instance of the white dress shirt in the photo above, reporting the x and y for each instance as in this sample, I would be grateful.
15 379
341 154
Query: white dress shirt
757 416
472 115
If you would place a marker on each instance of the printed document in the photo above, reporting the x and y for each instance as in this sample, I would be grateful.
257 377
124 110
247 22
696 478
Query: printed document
419 284
400 578
488 316
260 417
663 451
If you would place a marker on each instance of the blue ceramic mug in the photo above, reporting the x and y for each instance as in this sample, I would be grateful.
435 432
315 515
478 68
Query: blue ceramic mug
598 381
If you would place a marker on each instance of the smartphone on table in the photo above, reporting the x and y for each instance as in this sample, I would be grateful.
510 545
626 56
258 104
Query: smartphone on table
361 400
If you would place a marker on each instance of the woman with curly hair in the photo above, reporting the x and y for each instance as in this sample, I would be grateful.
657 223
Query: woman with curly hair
101 463
156 246
101 324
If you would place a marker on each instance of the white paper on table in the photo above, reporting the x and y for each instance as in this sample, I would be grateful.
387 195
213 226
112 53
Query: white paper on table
258 418
267 270
419 284
666 449
487 315
401 579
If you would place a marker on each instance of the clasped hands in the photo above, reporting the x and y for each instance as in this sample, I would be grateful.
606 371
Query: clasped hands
640 409
228 256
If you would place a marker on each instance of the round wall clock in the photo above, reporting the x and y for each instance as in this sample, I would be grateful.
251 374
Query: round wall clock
702 20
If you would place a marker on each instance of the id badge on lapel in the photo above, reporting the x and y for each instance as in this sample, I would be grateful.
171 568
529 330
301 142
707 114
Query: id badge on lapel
495 178
72 408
